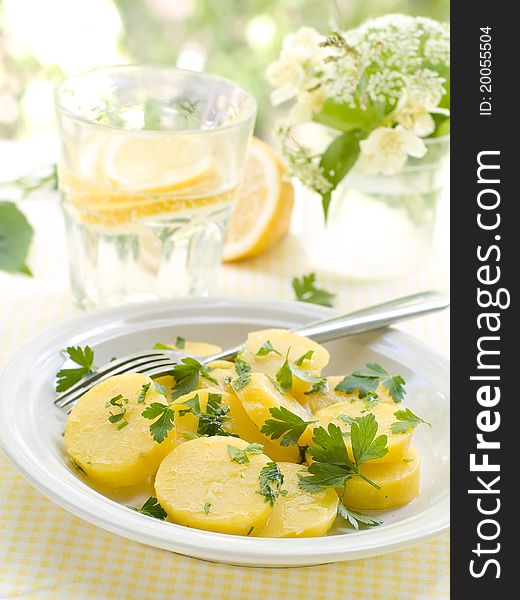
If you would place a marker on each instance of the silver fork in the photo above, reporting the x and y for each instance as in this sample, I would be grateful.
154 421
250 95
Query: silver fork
160 362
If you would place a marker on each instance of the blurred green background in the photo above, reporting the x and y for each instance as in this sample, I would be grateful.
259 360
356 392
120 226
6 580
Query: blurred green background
43 40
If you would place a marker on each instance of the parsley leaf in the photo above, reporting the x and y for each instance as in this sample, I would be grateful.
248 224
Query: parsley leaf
187 375
306 291
332 466
240 382
15 239
271 481
366 380
284 422
242 367
306 356
285 375
240 455
356 519
207 506
180 344
164 416
144 390
84 357
211 420
265 349
406 420
151 508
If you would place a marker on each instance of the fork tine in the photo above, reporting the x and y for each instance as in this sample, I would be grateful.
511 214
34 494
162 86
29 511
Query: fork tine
111 366
138 366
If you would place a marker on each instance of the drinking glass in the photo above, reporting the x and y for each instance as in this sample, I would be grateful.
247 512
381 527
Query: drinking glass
151 161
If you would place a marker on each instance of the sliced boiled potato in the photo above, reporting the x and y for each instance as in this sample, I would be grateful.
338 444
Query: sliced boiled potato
399 482
236 422
198 485
300 513
383 412
258 396
329 396
282 341
112 453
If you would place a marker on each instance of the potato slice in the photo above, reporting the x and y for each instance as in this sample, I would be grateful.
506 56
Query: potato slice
258 397
237 422
196 349
383 412
281 340
111 456
198 485
318 400
399 483
300 513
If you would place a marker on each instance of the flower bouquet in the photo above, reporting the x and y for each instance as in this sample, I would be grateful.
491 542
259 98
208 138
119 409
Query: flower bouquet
380 96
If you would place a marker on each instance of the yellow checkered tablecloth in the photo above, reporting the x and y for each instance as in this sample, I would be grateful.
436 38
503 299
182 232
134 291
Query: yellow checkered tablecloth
46 553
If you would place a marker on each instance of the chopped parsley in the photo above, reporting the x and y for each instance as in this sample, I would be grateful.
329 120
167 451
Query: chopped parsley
241 381
207 506
144 390
365 381
306 290
356 519
406 420
284 423
84 358
151 508
266 349
164 416
287 371
187 375
271 481
240 455
307 356
212 419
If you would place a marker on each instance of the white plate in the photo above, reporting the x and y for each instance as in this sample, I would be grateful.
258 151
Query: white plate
30 426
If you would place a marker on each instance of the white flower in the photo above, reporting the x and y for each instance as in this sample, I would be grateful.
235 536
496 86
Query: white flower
303 46
386 150
307 103
286 76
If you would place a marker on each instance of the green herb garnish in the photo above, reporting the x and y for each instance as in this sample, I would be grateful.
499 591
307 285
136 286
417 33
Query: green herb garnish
144 390
187 375
212 419
356 519
332 466
241 382
287 371
365 381
151 508
240 455
207 506
306 356
285 423
242 367
266 349
15 239
164 416
406 420
306 291
84 357
271 481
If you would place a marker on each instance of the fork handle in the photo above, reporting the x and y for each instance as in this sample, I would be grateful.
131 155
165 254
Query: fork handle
367 319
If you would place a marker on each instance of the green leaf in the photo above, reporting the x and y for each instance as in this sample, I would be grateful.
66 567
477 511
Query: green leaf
164 416
242 367
207 506
180 342
356 519
15 238
240 455
271 481
337 160
151 508
323 476
406 420
144 390
84 357
303 357
265 349
365 445
285 422
305 290
241 382
212 419
343 117
187 375
285 375
365 381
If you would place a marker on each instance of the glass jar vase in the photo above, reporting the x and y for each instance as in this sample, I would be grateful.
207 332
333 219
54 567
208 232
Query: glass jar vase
379 226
